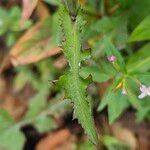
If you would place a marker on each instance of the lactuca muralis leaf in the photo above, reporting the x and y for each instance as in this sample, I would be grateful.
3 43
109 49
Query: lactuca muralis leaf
74 85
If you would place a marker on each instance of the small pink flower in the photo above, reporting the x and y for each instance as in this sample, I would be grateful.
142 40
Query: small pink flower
145 91
111 58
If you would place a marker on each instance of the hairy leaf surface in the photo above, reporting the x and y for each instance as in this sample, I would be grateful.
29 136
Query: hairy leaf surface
74 85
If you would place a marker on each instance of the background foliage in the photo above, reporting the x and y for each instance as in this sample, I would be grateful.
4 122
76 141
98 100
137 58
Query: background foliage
32 58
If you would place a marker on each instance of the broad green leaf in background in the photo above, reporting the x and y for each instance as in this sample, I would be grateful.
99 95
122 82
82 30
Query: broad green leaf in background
114 100
143 113
10 20
144 78
9 24
131 87
100 73
108 93
87 145
10 136
112 143
5 120
116 103
96 73
23 76
12 139
37 103
26 75
140 61
14 17
138 11
104 25
142 31
44 123
113 27
10 39
35 113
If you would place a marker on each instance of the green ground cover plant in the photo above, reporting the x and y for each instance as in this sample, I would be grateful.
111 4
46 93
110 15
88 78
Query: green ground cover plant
102 43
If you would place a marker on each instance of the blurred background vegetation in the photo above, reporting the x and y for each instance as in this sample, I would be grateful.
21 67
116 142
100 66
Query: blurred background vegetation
34 113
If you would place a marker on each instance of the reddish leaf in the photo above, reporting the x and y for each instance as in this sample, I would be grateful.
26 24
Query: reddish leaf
28 7
34 45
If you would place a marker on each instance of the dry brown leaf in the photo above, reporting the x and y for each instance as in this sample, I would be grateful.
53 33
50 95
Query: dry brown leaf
60 63
34 57
125 135
144 143
30 48
103 87
82 2
14 102
60 140
2 86
42 10
14 106
20 54
28 7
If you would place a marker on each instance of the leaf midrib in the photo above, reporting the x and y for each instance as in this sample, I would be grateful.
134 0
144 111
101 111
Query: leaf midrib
79 100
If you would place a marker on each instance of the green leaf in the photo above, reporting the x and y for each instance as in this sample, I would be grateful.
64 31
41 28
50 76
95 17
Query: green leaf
104 25
140 61
37 103
142 31
86 145
115 101
143 113
71 81
11 38
114 27
144 78
23 76
5 120
113 144
116 106
98 73
75 90
10 136
12 139
133 99
44 123
138 10
108 93
111 50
